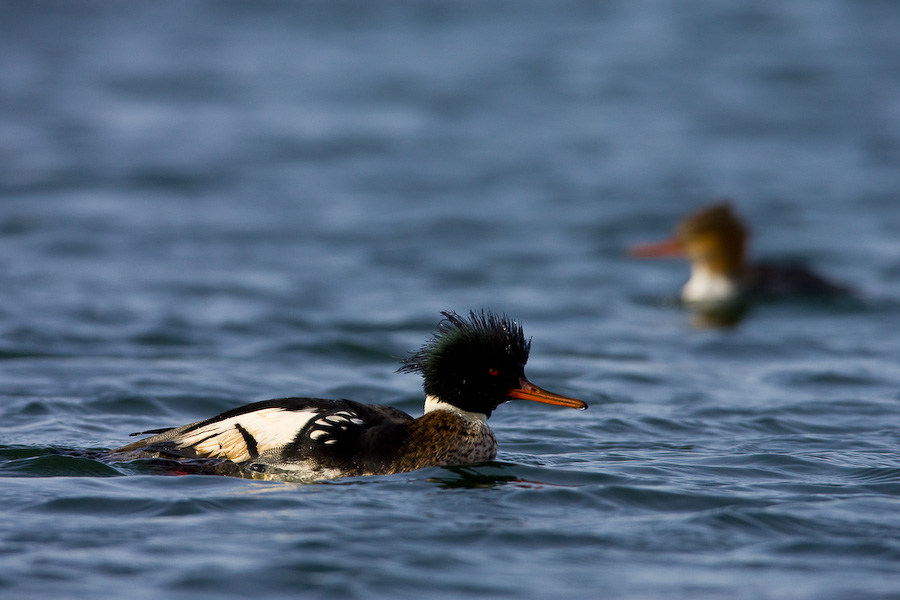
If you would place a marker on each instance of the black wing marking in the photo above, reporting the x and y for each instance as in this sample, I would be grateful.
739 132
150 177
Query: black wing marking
330 427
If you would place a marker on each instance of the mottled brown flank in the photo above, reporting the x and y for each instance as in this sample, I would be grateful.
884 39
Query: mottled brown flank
444 438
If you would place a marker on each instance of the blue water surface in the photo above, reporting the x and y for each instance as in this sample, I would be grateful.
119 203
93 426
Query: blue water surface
204 204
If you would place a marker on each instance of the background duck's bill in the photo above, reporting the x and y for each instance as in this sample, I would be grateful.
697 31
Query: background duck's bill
657 249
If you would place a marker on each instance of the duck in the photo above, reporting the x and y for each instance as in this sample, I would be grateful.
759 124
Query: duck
470 366
714 239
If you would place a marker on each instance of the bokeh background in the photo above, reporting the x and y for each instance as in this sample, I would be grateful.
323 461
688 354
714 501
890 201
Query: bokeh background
204 204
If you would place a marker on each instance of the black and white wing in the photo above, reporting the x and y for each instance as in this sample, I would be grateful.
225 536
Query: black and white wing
297 427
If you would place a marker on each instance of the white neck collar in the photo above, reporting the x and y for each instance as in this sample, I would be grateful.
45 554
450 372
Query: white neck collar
433 403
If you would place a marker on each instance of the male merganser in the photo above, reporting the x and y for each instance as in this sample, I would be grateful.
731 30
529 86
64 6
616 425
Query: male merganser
714 240
470 366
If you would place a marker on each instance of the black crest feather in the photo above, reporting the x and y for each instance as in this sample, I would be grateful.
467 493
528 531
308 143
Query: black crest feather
483 329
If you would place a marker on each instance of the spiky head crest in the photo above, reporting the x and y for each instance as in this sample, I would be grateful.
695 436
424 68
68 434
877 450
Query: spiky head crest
472 363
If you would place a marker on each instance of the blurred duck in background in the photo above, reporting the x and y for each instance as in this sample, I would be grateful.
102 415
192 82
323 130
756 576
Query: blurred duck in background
722 282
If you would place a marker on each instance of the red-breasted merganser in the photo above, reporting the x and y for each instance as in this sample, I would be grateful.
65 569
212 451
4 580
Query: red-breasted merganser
714 240
470 366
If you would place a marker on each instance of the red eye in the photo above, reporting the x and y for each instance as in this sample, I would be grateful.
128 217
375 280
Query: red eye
493 372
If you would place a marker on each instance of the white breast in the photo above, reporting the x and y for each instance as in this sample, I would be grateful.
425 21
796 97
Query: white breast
705 286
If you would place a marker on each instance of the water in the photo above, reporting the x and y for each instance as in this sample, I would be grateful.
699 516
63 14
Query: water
207 204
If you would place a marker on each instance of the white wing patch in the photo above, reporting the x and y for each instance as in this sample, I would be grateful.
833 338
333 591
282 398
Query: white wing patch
270 427
326 429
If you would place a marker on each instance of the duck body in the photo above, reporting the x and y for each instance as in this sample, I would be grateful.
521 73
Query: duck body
756 282
470 367
772 280
317 438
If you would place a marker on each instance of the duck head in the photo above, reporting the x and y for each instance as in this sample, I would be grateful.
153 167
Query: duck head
478 363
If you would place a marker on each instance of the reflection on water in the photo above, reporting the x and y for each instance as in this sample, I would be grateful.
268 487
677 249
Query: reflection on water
718 315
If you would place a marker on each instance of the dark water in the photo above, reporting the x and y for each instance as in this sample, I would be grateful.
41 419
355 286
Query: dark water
205 204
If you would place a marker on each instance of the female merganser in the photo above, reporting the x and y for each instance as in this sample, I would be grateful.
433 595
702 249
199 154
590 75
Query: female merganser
469 367
714 240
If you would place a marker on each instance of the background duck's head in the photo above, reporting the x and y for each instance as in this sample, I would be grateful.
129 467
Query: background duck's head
715 238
